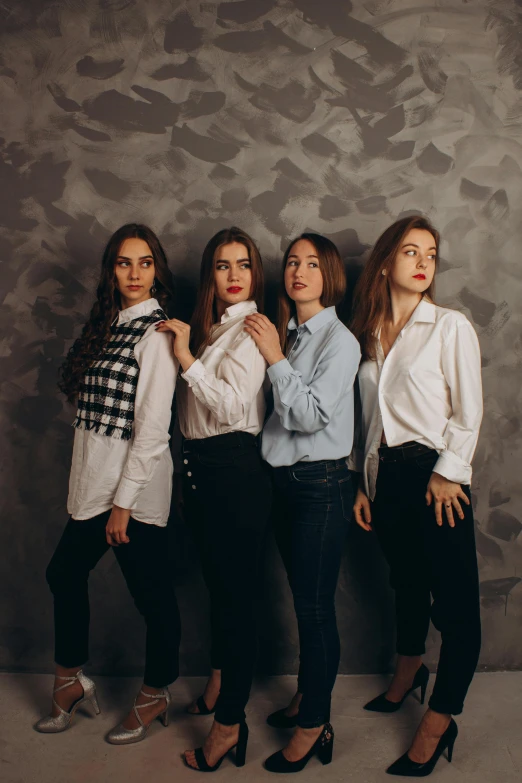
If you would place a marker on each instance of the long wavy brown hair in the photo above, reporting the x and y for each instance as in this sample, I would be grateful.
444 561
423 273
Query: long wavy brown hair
97 330
371 299
205 312
334 281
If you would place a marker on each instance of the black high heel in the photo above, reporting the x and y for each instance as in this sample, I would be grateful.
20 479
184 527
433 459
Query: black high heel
281 721
412 769
240 759
322 748
382 704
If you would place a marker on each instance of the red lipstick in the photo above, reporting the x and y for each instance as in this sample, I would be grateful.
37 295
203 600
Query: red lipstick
234 289
299 286
420 276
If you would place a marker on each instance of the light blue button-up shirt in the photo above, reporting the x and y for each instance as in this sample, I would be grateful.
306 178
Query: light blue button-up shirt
312 418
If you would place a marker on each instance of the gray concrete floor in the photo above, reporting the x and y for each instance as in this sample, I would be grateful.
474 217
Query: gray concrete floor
489 746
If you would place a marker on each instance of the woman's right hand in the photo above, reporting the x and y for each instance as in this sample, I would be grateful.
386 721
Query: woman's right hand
181 332
362 510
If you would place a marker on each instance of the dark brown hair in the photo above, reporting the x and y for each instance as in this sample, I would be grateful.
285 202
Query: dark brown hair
371 299
205 313
97 330
334 281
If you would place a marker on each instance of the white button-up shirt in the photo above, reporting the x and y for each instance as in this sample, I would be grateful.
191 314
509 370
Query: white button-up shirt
428 389
135 474
224 387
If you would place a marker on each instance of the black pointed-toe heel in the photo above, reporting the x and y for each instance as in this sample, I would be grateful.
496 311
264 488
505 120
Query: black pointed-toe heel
322 748
382 704
240 746
281 721
412 769
202 707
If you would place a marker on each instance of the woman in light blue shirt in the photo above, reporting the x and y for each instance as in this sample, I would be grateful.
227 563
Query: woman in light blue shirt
306 441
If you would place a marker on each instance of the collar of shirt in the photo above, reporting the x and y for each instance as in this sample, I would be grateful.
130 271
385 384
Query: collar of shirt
315 323
137 310
241 308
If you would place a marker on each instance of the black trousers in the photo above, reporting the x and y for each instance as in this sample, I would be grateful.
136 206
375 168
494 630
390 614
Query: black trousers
429 562
313 504
227 497
145 567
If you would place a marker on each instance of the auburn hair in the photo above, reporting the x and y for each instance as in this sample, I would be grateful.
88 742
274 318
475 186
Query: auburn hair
205 311
97 330
334 281
371 299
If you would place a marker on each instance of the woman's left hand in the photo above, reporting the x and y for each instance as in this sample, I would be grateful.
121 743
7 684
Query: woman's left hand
265 336
181 332
445 494
116 527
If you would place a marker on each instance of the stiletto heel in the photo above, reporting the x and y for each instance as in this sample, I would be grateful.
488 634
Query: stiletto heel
450 749
412 769
240 746
119 735
382 704
95 705
322 748
62 721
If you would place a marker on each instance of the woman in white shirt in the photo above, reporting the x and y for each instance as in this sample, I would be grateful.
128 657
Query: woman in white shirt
122 374
420 413
226 490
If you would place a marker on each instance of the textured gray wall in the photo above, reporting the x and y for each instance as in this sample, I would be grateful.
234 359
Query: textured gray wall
278 116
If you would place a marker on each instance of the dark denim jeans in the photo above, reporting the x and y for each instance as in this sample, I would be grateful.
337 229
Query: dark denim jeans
429 562
312 507
227 496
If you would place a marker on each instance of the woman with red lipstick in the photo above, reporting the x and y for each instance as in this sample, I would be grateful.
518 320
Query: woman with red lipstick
226 491
122 374
421 408
313 362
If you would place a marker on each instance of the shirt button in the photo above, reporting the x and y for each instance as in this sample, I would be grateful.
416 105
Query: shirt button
185 461
193 486
189 473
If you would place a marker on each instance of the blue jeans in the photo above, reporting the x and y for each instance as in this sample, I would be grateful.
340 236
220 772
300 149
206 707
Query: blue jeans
312 507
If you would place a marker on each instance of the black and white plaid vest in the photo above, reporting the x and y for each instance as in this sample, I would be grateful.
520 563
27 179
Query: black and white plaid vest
106 400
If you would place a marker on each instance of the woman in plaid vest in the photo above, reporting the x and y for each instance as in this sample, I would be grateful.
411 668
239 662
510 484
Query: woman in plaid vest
121 373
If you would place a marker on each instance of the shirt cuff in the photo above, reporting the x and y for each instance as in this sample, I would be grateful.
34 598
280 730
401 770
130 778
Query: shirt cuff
127 493
280 370
195 373
355 461
453 468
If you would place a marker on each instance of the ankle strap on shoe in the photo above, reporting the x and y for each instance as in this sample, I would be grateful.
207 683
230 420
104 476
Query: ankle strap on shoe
70 681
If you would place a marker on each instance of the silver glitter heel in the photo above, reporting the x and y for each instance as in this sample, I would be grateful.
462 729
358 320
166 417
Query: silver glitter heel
119 735
53 725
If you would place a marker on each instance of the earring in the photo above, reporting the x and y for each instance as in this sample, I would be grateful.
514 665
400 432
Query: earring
153 289
384 271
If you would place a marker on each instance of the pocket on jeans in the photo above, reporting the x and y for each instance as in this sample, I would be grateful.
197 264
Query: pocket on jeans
427 461
347 496
309 473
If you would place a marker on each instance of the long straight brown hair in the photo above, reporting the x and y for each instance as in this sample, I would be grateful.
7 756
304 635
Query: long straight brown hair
334 281
371 299
205 312
97 329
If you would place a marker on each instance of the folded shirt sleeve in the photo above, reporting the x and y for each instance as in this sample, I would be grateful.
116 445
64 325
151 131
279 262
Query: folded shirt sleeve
462 370
152 414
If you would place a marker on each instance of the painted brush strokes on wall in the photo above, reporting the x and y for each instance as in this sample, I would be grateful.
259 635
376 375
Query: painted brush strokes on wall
278 116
